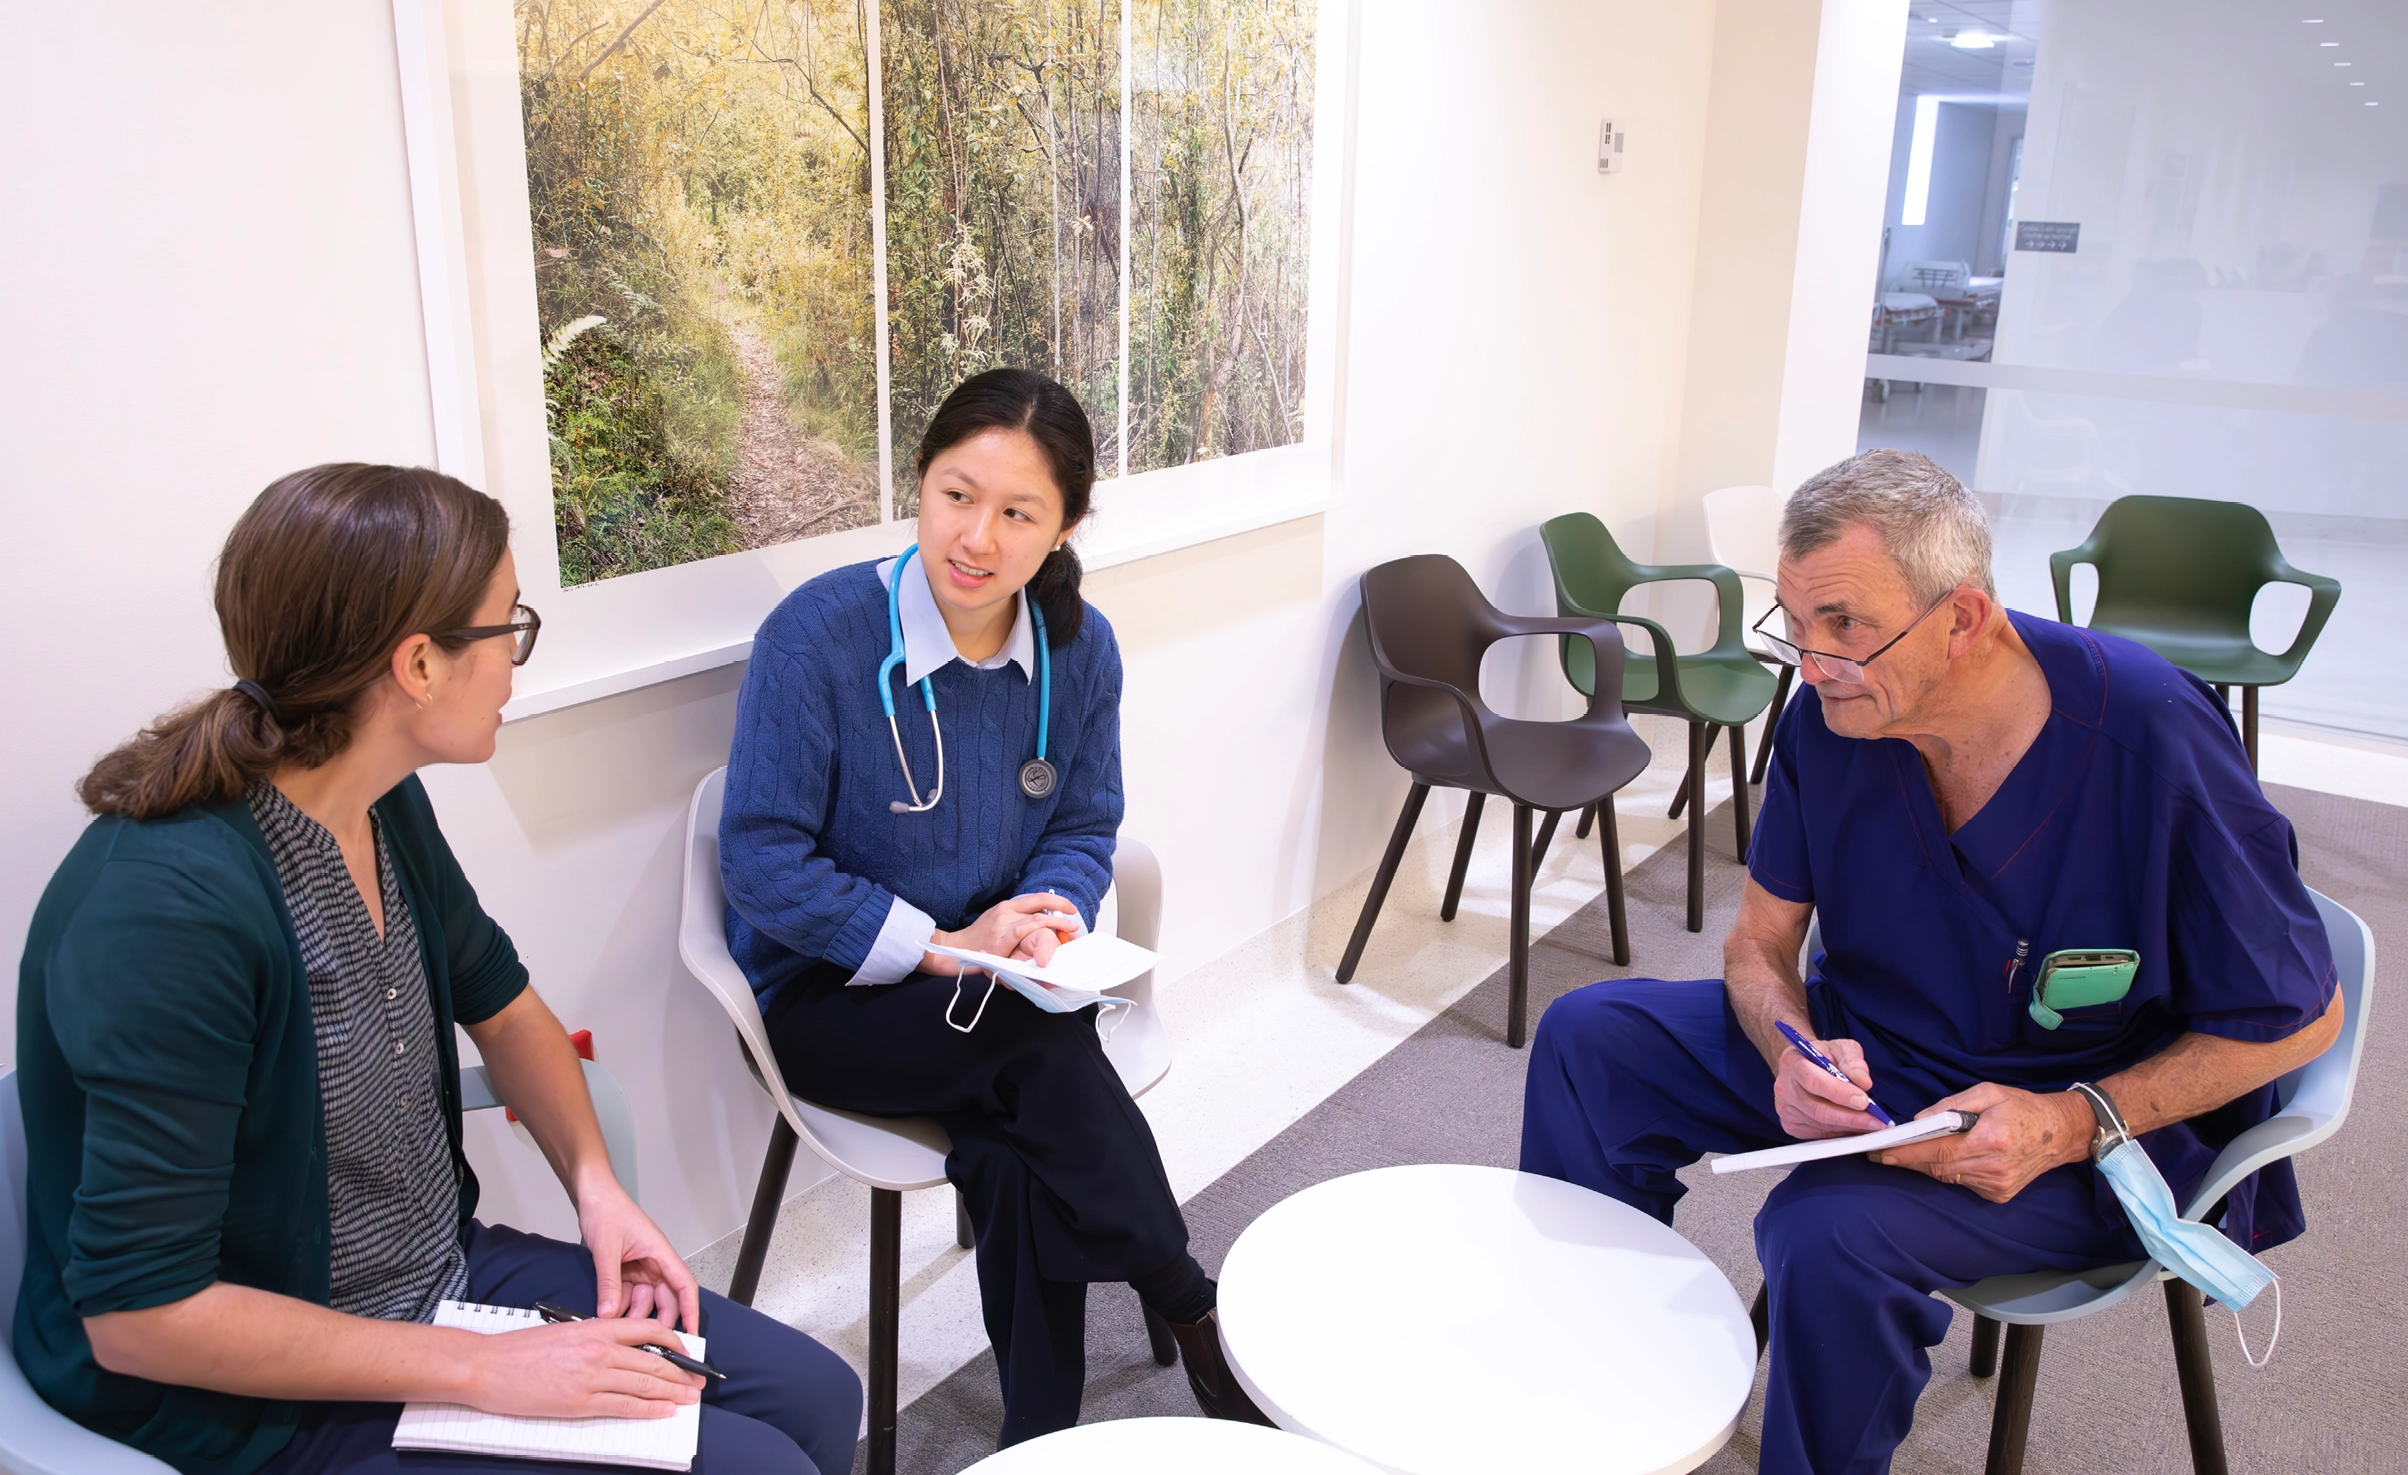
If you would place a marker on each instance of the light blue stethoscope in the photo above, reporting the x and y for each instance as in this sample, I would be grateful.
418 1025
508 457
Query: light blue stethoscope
1037 776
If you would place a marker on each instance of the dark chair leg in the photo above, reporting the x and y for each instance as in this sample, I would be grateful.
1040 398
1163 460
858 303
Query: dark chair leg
769 1194
1414 799
1158 1332
1517 999
1772 719
1695 787
886 1304
1985 1346
963 1234
2011 1420
1680 801
1546 837
1609 839
1588 817
2249 725
1739 820
2223 693
2198 1375
1463 855
1760 1317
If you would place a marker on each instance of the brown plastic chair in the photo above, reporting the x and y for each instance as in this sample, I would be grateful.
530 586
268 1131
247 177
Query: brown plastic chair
1429 627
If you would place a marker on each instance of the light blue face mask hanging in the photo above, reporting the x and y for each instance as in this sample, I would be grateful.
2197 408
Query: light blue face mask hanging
2197 1252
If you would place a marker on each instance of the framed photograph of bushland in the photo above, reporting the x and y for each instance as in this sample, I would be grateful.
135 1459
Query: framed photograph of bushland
696 273
698 191
1220 125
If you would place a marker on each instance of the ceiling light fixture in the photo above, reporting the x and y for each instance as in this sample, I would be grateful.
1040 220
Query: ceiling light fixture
2328 43
1971 40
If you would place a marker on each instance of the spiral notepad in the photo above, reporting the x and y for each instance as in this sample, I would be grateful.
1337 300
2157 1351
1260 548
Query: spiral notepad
646 1444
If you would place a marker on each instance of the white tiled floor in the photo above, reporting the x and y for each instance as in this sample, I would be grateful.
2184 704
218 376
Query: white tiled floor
1265 1033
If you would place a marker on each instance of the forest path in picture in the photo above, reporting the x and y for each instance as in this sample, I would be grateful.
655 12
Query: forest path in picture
787 484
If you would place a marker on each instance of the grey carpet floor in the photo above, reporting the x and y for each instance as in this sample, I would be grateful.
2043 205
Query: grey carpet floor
2334 1399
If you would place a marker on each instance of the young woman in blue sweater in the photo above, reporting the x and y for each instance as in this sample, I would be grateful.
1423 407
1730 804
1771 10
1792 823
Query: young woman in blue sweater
848 848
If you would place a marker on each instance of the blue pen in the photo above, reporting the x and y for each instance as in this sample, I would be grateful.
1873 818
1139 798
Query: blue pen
1872 1107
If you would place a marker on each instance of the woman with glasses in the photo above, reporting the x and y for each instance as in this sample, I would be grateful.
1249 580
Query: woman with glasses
245 1190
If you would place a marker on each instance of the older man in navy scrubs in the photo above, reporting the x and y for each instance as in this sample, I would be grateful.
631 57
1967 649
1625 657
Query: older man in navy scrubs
1962 791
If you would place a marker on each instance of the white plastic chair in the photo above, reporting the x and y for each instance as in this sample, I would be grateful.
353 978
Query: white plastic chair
2310 1105
1743 527
892 1155
36 1439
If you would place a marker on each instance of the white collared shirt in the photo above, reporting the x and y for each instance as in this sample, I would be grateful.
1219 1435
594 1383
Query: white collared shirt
928 646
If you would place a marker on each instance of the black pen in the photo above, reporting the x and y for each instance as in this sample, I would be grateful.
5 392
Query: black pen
695 1365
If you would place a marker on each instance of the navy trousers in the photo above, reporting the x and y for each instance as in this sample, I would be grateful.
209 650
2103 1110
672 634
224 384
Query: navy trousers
787 1407
1632 1079
1057 1165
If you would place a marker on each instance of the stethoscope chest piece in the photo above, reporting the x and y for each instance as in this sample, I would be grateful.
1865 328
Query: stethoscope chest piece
1037 778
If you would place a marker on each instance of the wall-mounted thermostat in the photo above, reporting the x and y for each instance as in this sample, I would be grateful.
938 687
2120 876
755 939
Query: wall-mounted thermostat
1609 148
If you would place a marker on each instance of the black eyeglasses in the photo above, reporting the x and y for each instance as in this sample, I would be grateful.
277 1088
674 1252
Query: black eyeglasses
524 625
1849 670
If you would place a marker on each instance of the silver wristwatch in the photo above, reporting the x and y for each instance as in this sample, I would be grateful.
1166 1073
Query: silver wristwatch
2112 1133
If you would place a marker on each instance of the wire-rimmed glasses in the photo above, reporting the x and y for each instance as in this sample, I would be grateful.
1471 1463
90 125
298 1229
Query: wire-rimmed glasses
524 625
1847 670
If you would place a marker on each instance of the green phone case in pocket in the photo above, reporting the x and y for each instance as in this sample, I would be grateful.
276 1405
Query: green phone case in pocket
2077 978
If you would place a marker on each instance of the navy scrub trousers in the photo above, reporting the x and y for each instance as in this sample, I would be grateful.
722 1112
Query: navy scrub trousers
1057 1165
1634 1078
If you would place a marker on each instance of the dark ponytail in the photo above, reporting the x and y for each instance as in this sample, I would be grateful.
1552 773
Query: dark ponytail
325 573
1019 399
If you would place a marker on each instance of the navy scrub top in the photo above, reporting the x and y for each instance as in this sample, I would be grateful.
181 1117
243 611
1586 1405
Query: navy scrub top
2132 822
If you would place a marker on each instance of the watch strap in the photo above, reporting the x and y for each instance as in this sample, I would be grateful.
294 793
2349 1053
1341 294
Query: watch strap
2112 1132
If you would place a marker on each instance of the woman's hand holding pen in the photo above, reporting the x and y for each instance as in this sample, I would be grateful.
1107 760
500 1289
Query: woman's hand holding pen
576 1370
1014 928
1812 1102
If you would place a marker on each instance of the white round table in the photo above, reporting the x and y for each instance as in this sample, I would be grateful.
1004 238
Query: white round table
1170 1447
1442 1320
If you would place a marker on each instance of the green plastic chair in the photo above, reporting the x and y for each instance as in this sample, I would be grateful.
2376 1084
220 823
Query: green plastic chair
1725 687
2178 574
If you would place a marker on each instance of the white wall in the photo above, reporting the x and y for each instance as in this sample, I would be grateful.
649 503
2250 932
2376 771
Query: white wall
225 289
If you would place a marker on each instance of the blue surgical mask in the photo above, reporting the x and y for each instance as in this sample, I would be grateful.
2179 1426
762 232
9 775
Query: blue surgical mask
2197 1252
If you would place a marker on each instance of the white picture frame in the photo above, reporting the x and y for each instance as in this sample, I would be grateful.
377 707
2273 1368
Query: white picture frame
468 184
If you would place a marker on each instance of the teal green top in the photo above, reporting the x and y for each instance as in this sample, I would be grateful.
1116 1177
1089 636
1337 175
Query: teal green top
169 1076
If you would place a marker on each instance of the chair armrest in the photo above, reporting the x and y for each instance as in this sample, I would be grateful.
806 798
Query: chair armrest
2270 1141
1605 642
1470 710
1665 655
2061 574
36 1439
1728 599
611 1111
2323 594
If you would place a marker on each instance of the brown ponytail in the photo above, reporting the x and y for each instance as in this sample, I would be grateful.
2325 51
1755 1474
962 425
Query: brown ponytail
323 576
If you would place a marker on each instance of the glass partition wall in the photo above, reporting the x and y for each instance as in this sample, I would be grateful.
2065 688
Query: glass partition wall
2161 246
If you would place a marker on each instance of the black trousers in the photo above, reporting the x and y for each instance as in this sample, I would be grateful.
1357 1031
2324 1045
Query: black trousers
1057 1165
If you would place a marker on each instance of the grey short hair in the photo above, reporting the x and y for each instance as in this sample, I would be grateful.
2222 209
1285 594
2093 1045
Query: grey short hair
1935 530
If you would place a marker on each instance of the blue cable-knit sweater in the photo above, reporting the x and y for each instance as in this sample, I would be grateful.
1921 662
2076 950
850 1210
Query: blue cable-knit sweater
810 854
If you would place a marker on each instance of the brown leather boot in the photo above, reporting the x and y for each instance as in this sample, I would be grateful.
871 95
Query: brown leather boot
1208 1376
